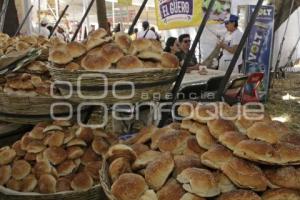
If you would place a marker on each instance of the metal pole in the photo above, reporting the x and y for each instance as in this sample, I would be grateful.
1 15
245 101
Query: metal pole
58 21
23 22
113 13
189 57
238 51
136 18
87 21
3 10
39 15
57 8
82 20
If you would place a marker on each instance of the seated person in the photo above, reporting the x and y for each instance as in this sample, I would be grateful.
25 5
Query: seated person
184 45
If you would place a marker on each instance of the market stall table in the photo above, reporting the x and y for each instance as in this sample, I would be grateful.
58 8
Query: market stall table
195 77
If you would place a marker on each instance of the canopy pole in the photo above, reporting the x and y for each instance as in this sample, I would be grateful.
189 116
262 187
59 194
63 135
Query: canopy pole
188 58
136 18
3 14
58 21
23 21
238 52
82 20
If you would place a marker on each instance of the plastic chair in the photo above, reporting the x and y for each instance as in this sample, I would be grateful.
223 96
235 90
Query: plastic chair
233 92
253 82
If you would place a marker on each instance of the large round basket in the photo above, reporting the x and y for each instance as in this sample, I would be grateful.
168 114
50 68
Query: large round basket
30 110
96 193
105 180
114 86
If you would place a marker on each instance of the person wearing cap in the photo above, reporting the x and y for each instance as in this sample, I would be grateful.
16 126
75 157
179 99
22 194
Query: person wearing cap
230 43
44 31
146 32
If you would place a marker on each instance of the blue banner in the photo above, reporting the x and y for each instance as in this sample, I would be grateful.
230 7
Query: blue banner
259 45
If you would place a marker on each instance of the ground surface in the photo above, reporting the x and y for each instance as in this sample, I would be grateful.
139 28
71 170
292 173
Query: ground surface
289 109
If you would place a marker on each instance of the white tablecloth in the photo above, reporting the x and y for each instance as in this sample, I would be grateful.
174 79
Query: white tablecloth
195 77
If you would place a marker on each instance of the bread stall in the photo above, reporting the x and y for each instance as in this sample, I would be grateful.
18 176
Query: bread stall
227 157
61 159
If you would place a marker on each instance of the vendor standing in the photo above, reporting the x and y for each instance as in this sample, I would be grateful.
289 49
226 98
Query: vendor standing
230 43
43 31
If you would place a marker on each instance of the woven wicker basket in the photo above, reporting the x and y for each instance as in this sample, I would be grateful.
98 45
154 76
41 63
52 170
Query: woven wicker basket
96 193
105 180
147 84
30 110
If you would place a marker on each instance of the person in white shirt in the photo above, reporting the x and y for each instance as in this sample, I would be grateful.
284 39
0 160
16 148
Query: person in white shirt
230 43
44 31
146 32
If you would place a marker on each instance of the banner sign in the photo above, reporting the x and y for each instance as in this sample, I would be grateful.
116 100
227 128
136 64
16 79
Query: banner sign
125 2
178 13
259 45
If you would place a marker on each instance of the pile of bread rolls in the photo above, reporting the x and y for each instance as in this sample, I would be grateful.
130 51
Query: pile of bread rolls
257 138
101 51
14 45
55 157
32 80
186 161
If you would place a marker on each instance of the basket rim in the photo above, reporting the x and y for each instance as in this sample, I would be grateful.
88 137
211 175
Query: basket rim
115 71
3 94
103 173
8 192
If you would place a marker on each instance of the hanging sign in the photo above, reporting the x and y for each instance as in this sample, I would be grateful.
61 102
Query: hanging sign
220 11
172 14
125 2
259 45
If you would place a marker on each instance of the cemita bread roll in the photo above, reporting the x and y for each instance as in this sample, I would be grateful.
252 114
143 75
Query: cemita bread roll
158 171
245 174
183 162
239 195
60 57
123 41
95 63
76 49
216 157
129 62
118 167
189 196
134 185
171 190
286 177
199 181
278 194
193 148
